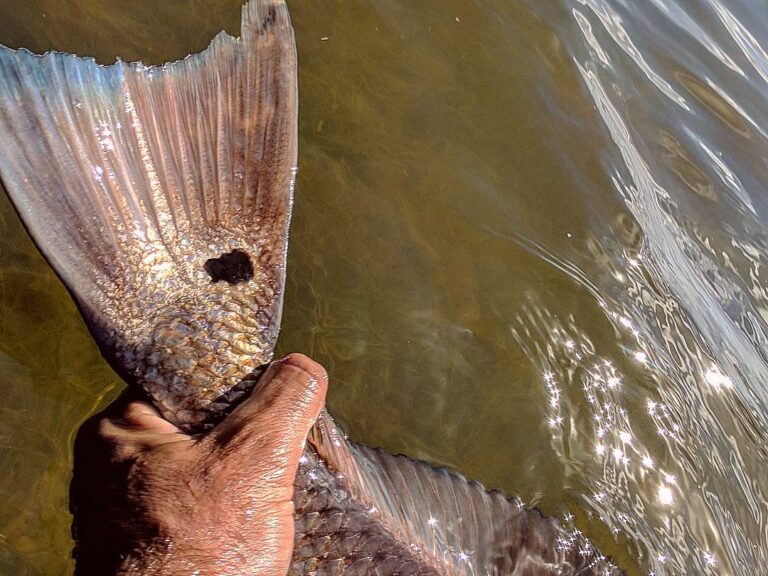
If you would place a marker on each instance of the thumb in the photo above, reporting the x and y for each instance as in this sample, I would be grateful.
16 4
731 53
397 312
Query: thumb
281 410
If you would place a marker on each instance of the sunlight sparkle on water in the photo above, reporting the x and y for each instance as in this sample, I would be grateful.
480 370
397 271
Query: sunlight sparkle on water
648 461
617 450
717 379
666 497
554 422
625 437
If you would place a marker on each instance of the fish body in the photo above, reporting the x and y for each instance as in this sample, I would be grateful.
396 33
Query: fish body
162 198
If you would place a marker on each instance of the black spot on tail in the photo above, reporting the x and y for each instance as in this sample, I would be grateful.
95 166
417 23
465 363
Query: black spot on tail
234 267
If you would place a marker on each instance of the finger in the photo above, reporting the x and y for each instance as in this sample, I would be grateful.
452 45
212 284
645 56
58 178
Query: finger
281 409
139 427
144 417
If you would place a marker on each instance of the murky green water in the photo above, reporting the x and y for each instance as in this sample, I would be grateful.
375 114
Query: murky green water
528 244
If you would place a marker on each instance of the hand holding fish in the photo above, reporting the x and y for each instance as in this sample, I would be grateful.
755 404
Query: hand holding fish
149 499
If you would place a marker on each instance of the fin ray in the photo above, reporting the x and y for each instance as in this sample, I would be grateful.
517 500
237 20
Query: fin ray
458 527
130 177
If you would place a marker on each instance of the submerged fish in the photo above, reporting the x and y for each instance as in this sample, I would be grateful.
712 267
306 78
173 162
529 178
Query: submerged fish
162 198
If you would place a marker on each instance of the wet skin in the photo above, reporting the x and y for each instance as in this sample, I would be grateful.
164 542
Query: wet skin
149 499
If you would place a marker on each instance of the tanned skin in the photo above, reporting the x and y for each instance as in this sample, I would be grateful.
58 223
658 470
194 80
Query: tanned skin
149 499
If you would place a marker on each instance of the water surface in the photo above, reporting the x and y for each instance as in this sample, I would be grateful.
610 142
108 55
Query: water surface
528 244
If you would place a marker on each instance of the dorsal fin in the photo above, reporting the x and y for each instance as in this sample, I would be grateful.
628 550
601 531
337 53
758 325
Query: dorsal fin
130 178
451 524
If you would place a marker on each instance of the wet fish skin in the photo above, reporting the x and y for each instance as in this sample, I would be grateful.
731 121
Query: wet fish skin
131 180
336 534
447 526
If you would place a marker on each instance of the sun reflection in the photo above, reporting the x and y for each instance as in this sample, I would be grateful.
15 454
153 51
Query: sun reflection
715 377
625 437
666 497
628 491
599 382
648 462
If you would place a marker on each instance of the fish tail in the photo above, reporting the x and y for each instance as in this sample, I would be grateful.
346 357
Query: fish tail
162 196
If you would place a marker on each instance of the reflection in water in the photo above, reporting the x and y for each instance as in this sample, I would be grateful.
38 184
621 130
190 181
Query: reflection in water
689 314
529 244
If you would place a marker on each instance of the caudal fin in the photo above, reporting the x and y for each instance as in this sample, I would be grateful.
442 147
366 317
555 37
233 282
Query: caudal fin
135 180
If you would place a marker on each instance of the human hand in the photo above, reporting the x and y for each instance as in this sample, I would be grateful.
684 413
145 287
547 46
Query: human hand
149 499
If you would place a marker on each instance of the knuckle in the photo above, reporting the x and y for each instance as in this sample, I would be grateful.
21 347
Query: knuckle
134 408
134 413
107 429
307 365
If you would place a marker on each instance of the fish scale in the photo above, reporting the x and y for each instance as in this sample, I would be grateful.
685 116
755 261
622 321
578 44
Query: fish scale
162 198
337 535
